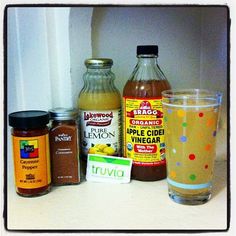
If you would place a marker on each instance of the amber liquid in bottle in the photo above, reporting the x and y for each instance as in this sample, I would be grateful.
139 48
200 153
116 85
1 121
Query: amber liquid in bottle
146 89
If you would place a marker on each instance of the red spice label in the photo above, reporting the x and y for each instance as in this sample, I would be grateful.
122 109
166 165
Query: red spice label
31 161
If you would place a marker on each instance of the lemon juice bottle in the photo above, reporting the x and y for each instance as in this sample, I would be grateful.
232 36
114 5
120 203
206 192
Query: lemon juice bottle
99 106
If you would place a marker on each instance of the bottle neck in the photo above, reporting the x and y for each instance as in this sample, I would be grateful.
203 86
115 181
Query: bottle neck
147 69
147 60
98 70
98 79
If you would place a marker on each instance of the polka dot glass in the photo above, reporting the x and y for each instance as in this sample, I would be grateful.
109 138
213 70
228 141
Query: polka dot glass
190 122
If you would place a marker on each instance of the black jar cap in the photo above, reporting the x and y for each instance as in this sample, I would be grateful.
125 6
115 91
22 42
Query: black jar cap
147 50
31 119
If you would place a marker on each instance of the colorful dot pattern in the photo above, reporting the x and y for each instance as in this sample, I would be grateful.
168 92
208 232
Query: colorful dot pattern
208 147
173 174
183 139
191 144
201 114
181 113
191 157
192 177
178 163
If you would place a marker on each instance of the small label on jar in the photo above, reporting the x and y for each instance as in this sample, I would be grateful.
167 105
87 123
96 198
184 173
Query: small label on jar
100 132
31 161
64 154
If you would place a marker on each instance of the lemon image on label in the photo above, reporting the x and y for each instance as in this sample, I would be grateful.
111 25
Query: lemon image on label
109 151
101 146
102 149
93 150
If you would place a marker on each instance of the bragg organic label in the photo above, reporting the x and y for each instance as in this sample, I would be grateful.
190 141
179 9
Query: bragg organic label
31 161
143 131
100 132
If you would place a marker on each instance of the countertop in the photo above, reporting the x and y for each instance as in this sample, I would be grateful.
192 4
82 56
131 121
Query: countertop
134 206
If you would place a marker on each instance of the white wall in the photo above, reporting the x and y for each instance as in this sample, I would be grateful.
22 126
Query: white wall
38 58
80 45
117 31
28 64
213 63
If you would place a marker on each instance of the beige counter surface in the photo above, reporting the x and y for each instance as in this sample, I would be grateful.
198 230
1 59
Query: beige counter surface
134 206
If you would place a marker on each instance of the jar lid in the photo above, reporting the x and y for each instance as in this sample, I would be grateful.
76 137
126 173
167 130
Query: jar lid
98 62
147 50
61 113
31 119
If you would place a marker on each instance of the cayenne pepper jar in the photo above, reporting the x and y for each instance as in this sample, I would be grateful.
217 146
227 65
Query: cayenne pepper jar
64 146
31 152
143 117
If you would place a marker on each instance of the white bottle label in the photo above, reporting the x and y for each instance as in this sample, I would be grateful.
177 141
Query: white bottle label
100 132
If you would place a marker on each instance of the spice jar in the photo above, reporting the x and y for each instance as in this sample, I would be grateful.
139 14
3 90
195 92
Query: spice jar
31 152
64 146
99 104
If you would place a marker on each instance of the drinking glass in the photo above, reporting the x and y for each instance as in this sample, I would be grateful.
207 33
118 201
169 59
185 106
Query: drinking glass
190 122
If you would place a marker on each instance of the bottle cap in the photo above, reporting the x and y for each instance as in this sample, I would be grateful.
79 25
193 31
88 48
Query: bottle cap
63 113
98 62
31 119
147 50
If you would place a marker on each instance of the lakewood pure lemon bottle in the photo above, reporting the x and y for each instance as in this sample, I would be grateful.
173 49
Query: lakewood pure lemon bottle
99 106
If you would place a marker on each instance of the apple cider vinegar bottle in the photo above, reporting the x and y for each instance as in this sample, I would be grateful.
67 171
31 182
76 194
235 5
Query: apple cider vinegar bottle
143 117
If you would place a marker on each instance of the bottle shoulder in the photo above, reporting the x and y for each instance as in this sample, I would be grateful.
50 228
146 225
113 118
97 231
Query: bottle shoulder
99 100
145 88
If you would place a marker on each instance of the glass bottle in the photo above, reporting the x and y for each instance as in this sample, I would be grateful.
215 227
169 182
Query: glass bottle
99 106
143 117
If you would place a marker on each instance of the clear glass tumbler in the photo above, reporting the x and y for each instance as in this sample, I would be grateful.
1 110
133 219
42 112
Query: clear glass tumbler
190 122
